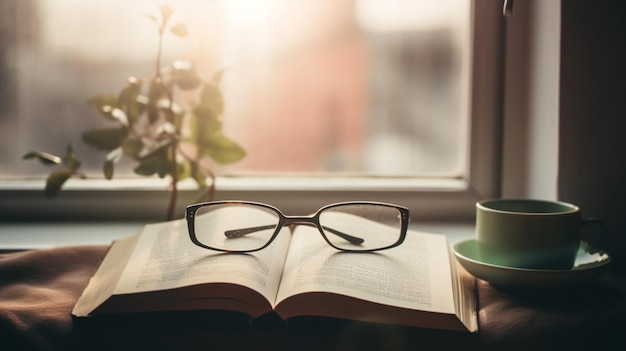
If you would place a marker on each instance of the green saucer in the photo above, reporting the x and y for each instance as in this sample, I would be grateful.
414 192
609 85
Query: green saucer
590 264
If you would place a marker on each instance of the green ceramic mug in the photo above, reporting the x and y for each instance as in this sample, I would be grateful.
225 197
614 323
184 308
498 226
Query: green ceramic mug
527 233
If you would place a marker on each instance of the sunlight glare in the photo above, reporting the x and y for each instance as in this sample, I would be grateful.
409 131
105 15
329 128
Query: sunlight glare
246 12
403 15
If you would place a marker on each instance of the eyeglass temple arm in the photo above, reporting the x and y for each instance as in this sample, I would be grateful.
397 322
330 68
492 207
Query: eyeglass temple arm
237 233
351 239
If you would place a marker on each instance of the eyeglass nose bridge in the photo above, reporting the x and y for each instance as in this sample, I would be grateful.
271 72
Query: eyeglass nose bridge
301 220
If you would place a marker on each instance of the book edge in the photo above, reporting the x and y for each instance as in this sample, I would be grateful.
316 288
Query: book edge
464 291
102 283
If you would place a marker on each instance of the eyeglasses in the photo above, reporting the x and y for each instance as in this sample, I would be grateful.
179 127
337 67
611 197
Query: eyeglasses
236 226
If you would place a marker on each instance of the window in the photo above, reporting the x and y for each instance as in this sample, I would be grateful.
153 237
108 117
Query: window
333 100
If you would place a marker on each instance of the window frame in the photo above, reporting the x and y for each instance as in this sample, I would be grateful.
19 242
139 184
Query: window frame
428 198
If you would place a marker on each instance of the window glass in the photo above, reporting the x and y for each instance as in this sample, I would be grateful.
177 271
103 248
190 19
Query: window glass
316 87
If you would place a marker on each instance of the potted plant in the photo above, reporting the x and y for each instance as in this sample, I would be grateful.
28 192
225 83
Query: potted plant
149 127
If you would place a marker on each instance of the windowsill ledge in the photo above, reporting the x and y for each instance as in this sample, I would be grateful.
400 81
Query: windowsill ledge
97 212
41 235
430 199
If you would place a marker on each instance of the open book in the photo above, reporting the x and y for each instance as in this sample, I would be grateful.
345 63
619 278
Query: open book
159 269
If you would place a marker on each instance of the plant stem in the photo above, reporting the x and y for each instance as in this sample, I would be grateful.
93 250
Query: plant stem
173 185
159 51
173 196
171 209
211 195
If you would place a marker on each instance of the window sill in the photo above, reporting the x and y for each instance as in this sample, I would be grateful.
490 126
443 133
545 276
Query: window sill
146 200
97 212
42 235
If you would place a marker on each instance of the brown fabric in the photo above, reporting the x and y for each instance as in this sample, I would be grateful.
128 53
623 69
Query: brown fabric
39 288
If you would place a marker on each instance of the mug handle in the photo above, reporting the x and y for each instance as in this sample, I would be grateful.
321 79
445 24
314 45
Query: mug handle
603 230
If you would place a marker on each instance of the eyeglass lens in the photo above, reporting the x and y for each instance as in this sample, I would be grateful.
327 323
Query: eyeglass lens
376 226
235 227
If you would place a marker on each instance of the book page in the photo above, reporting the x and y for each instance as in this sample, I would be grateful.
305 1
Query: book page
103 282
415 275
165 258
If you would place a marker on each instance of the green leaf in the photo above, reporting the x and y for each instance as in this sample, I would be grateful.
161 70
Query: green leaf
180 30
204 120
55 181
166 12
198 175
127 100
184 170
108 169
203 125
211 98
159 161
206 116
153 113
115 114
43 157
132 147
217 76
148 165
102 100
115 155
105 139
106 105
153 18
173 112
184 75
178 120
70 160
167 166
156 92
222 149
167 130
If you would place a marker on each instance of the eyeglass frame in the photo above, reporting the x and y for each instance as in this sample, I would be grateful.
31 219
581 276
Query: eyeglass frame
284 220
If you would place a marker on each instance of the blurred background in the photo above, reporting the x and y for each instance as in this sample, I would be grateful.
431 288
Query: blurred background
312 87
